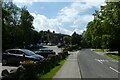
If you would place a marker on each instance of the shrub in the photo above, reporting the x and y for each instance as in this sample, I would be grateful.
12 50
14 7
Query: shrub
32 69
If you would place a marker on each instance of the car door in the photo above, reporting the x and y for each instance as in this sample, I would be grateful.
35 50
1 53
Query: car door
12 58
20 55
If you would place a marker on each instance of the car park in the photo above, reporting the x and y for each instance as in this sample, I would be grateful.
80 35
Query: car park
14 56
45 52
60 45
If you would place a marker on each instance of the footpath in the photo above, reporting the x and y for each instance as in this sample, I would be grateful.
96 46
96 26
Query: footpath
70 69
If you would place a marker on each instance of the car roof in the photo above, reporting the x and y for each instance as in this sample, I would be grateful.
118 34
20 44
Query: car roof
45 49
16 49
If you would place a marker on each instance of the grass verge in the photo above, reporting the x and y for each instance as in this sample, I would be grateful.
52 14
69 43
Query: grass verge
113 56
99 50
49 75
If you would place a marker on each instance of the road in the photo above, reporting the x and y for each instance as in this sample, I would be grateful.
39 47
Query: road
93 65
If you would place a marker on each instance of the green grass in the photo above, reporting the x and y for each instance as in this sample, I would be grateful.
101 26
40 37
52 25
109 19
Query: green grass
113 56
49 75
99 50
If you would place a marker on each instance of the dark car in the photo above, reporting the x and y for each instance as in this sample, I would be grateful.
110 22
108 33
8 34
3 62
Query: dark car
60 45
16 55
45 52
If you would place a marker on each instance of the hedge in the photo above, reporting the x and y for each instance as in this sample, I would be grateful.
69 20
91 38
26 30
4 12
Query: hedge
29 71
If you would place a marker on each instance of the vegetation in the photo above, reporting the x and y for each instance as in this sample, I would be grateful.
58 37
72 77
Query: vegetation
40 70
52 72
113 55
76 39
72 48
104 30
18 30
99 50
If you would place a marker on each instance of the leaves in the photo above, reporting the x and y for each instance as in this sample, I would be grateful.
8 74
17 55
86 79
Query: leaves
104 30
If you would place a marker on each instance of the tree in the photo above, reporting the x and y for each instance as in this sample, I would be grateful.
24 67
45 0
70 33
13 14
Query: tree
10 22
67 39
105 27
17 29
26 21
76 39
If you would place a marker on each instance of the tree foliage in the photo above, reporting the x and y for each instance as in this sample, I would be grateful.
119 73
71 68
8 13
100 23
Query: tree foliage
76 39
104 30
17 26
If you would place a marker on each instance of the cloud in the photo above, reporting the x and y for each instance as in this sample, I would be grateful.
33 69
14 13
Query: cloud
69 19
41 22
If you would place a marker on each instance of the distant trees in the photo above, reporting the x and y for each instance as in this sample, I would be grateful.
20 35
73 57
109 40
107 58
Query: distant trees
67 39
18 31
76 39
104 30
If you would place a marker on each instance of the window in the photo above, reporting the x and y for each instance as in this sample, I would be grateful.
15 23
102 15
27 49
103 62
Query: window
19 52
11 51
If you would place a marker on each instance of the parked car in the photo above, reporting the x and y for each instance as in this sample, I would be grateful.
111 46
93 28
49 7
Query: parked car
33 46
45 52
60 45
14 56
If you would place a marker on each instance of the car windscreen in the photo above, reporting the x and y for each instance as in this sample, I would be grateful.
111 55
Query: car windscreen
28 52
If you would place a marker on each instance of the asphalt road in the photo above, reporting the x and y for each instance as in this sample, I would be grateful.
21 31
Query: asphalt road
93 65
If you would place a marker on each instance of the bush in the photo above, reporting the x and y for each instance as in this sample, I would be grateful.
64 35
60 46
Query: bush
72 48
32 69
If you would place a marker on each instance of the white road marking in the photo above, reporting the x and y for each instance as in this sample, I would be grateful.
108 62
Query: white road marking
100 61
114 70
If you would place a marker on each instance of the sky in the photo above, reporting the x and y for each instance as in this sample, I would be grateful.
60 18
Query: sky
65 16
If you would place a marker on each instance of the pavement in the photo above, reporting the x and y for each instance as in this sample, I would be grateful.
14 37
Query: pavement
93 65
70 69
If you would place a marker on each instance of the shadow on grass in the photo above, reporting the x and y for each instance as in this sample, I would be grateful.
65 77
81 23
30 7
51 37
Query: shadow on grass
116 54
58 64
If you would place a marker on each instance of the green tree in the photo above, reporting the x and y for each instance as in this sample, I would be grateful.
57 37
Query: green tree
105 27
10 22
67 39
26 21
76 39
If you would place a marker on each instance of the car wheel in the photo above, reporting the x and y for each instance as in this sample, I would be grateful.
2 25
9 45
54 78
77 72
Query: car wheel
4 62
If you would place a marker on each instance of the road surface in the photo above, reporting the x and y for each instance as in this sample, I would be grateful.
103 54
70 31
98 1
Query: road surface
93 65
